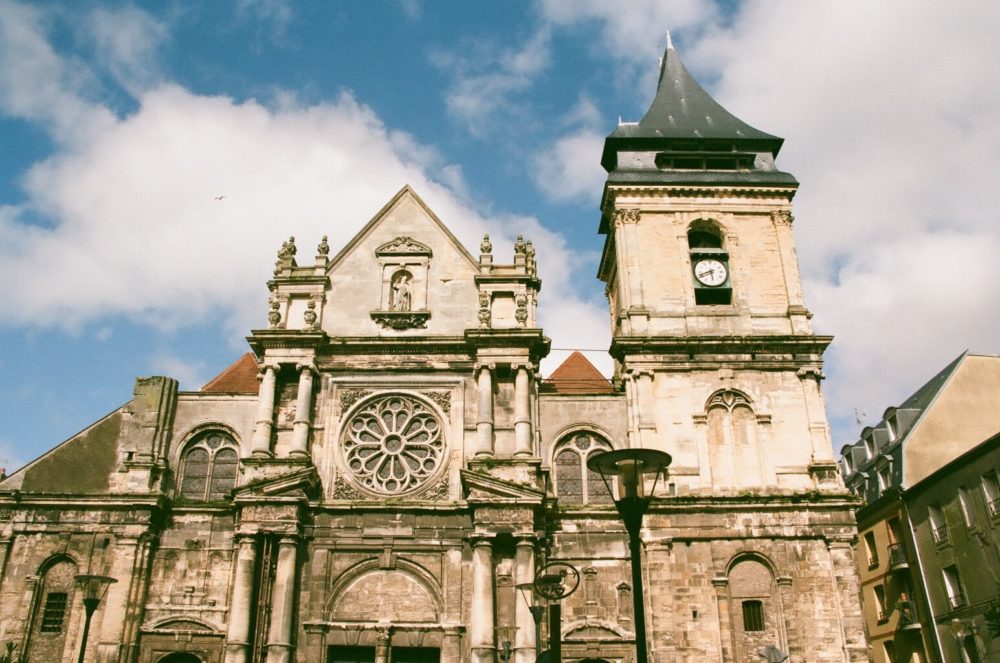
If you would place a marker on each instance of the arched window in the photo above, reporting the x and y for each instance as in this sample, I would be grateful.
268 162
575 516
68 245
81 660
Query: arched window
709 264
575 484
208 467
733 440
754 622
52 610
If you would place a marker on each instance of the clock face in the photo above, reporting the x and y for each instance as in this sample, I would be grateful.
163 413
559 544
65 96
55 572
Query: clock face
710 272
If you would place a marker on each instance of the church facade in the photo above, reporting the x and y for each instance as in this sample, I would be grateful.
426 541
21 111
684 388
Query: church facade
381 477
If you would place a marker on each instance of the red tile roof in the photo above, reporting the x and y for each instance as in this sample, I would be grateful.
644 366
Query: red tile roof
577 375
239 378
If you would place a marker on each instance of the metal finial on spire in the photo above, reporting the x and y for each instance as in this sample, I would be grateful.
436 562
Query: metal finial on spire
670 44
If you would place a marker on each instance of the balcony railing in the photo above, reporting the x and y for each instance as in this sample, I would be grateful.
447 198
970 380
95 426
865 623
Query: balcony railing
907 615
956 601
897 556
940 534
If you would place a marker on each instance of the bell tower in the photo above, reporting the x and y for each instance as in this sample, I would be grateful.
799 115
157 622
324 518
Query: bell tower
711 335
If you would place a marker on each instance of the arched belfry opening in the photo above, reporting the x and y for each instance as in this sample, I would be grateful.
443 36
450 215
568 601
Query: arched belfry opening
709 264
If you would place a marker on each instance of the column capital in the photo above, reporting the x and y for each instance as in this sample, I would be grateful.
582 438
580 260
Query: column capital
306 367
486 365
479 540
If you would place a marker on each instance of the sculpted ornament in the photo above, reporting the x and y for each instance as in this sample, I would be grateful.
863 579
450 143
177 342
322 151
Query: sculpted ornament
484 309
623 216
310 316
324 247
521 313
486 248
393 444
782 217
403 245
274 315
348 397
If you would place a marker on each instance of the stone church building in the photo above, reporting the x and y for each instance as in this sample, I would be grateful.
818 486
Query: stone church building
380 478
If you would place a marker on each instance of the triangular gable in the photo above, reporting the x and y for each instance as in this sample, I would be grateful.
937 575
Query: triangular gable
406 191
240 377
482 487
298 482
577 375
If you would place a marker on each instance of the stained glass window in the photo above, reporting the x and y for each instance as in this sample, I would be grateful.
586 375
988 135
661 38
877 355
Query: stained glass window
575 484
208 467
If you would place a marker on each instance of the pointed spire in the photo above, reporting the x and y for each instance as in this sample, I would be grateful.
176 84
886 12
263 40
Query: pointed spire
670 44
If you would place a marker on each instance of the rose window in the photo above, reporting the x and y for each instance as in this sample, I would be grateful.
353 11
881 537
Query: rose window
393 444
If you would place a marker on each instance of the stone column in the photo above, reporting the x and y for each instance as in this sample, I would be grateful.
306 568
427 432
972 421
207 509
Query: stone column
819 432
645 408
279 636
240 606
721 585
782 220
382 645
265 413
303 412
481 610
522 412
484 413
524 574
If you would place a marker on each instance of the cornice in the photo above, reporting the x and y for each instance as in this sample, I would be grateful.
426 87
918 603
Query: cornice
685 348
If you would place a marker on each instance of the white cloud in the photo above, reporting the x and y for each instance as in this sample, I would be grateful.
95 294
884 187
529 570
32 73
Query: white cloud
190 375
487 81
11 457
569 168
274 14
137 230
126 41
889 111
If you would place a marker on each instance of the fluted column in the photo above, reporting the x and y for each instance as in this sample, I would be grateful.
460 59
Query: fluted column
240 608
524 574
522 412
481 611
484 413
279 636
265 413
303 412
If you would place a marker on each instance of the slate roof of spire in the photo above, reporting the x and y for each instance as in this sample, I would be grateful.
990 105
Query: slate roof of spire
682 109
683 117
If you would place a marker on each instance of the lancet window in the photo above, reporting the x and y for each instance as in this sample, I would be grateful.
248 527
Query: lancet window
209 466
575 484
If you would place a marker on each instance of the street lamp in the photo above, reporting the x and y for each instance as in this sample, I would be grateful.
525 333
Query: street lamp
94 588
505 639
630 468
527 591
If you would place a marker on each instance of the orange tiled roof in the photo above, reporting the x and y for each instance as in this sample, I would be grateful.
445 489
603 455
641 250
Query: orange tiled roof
239 378
577 375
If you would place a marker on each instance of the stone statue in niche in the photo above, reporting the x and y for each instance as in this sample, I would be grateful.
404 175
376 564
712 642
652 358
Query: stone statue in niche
401 295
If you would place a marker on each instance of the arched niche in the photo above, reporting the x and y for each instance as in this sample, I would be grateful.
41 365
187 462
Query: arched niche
367 592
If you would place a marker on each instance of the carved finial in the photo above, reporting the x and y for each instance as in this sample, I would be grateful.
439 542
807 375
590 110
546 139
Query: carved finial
324 247
283 251
291 246
274 315
486 248
310 315
529 251
519 244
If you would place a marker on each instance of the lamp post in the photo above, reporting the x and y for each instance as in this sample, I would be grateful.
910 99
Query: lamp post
630 468
94 588
554 582
505 639
527 591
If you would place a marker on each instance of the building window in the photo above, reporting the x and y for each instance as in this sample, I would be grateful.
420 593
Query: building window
884 474
891 427
575 483
871 550
208 467
880 611
870 446
991 493
968 513
753 615
54 612
939 528
953 587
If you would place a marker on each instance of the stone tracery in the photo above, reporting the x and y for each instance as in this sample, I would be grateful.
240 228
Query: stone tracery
393 444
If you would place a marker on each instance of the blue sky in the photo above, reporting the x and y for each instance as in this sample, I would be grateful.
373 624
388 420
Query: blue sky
121 122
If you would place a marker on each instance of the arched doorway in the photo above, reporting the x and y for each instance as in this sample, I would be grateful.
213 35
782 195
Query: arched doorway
180 657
